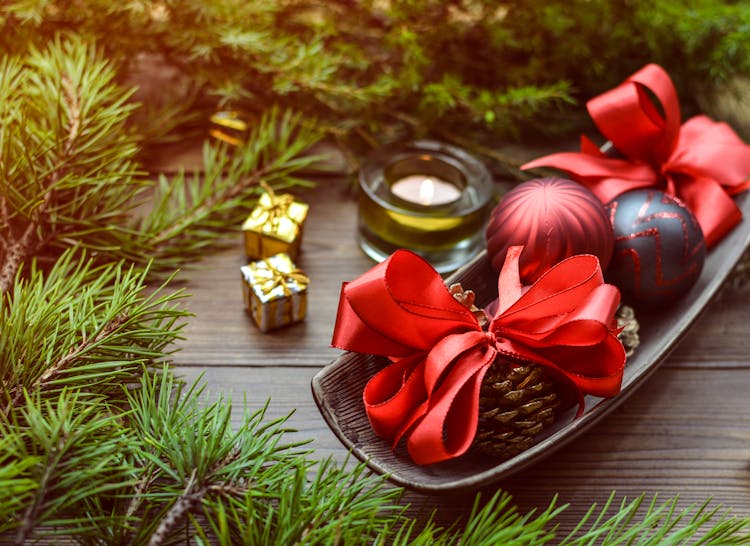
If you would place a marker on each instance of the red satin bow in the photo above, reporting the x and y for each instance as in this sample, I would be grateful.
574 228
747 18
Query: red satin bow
402 309
703 162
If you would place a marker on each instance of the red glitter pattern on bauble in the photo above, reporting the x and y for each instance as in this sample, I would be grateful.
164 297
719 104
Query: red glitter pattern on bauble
659 248
553 218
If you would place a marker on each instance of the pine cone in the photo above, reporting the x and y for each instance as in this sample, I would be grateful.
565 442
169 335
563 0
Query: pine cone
518 400
629 333
466 298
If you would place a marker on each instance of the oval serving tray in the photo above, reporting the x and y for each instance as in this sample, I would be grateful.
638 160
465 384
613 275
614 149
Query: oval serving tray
337 388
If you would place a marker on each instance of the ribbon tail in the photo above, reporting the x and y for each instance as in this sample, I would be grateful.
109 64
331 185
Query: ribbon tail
715 210
450 422
509 286
393 393
437 365
605 176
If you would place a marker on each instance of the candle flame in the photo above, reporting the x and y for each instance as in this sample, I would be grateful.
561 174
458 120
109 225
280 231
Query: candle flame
426 191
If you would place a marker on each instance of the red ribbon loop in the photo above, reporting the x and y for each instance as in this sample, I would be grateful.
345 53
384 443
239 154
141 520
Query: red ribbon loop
702 162
402 309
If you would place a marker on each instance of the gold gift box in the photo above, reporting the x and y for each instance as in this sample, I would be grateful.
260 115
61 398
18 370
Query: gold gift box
275 292
274 226
230 127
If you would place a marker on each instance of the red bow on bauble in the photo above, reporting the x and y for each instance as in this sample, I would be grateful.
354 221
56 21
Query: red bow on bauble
429 394
702 162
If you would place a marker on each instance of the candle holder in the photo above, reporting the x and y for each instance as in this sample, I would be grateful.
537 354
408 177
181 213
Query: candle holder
425 196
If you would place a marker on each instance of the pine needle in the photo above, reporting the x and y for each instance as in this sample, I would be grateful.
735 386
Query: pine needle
659 524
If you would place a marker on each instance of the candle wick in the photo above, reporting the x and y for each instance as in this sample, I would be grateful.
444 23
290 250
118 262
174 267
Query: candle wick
427 191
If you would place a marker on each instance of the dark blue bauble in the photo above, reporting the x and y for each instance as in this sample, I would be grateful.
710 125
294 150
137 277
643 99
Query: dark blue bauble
659 248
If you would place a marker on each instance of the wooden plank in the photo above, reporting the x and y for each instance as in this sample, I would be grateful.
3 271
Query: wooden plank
720 337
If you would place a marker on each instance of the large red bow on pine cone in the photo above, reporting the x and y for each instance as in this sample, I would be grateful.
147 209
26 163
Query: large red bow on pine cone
402 309
702 162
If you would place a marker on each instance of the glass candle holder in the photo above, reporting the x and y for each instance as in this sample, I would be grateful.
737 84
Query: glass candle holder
426 196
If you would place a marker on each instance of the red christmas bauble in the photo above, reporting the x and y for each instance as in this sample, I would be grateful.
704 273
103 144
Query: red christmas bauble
553 218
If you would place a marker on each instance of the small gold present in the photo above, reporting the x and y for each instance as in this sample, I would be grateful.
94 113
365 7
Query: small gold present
274 226
275 292
231 127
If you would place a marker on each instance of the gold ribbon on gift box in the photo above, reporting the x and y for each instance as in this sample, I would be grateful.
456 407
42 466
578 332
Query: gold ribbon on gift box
271 277
275 225
273 208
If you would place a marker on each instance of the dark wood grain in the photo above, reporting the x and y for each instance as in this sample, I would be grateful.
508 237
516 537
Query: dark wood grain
685 432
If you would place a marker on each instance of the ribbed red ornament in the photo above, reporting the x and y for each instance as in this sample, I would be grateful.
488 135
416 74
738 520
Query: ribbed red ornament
553 218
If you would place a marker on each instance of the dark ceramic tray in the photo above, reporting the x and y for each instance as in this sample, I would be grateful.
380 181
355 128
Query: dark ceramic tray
337 388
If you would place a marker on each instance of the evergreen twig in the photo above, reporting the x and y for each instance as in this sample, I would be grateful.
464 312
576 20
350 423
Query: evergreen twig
190 213
82 326
485 70
77 444
67 171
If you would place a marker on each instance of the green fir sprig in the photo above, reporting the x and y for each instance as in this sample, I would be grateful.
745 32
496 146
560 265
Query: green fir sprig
657 524
190 213
76 443
68 175
85 327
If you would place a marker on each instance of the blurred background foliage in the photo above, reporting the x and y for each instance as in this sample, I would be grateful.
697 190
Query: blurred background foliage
371 71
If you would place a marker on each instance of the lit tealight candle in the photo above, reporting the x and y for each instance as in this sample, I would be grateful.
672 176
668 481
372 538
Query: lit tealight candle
427 196
425 190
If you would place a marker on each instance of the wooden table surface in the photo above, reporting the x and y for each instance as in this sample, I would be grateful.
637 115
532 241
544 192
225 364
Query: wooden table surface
686 432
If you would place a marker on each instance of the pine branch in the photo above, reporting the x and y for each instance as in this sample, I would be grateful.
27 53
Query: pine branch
188 455
178 511
67 157
82 326
190 213
29 518
16 487
68 177
659 525
349 61
73 354
17 253
77 445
